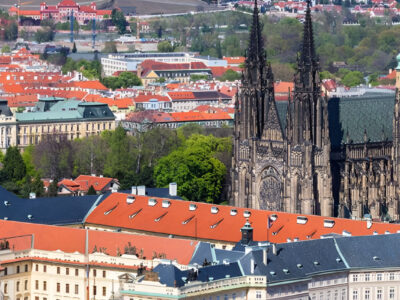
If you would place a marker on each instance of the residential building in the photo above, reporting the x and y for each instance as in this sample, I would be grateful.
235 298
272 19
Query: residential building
189 100
50 262
145 120
152 102
82 184
62 12
69 118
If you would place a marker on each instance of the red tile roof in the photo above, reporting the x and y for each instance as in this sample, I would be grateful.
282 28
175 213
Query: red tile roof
234 60
68 3
92 85
52 238
179 220
85 181
147 98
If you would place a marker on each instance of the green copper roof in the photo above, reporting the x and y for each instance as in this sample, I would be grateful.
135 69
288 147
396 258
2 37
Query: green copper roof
71 110
372 113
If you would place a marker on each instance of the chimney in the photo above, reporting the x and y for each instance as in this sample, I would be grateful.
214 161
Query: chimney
265 257
134 190
141 190
173 189
274 250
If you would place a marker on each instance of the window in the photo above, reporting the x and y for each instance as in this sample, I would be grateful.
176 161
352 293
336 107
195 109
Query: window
36 284
366 277
104 274
225 297
76 289
58 287
76 272
355 277
379 276
343 294
379 294
26 268
58 270
66 271
44 285
37 268
5 288
367 294
258 294
391 276
104 291
94 290
44 268
17 286
94 272
17 269
67 288
391 293
5 271
26 285
355 295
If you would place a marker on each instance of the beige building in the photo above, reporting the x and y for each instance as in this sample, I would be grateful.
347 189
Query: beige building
70 118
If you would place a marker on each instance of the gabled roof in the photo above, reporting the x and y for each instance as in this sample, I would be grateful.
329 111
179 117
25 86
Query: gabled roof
219 222
98 183
46 210
66 239
92 85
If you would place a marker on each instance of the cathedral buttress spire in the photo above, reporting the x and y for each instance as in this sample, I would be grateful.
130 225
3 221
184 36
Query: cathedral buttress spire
307 62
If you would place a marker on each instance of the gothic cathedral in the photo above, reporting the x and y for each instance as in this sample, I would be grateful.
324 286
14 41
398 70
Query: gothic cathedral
284 159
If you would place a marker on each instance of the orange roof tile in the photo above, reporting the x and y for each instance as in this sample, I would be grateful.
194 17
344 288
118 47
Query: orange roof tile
196 220
98 183
52 238
283 87
92 85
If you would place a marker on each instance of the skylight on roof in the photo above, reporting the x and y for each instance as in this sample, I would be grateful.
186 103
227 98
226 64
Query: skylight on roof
216 224
192 206
329 223
214 210
246 214
160 217
302 220
110 210
233 212
187 220
135 214
286 271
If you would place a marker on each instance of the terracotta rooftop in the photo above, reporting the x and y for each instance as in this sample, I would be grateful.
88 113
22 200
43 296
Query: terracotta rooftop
218 222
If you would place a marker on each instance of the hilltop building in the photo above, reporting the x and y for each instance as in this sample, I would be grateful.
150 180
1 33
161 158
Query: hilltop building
309 155
62 12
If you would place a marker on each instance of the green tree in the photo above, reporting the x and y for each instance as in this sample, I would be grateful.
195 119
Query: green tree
110 47
165 46
353 79
14 168
91 191
37 186
53 189
74 48
194 168
5 49
118 19
27 156
230 75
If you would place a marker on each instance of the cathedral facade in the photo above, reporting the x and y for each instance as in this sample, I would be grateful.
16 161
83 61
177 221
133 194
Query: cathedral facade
311 154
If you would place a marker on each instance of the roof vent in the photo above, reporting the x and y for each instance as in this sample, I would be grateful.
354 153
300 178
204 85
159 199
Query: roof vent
338 260
187 220
273 217
160 217
227 276
387 232
376 258
316 263
214 210
210 278
246 214
166 203
233 212
289 240
152 202
346 233
286 271
329 223
192 206
7 203
184 279
300 266
5 218
216 224
135 214
226 261
302 220
30 217
273 273
130 199
376 233
141 190
110 210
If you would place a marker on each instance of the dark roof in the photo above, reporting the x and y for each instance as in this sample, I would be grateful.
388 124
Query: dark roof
47 210
156 192
359 252
372 112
